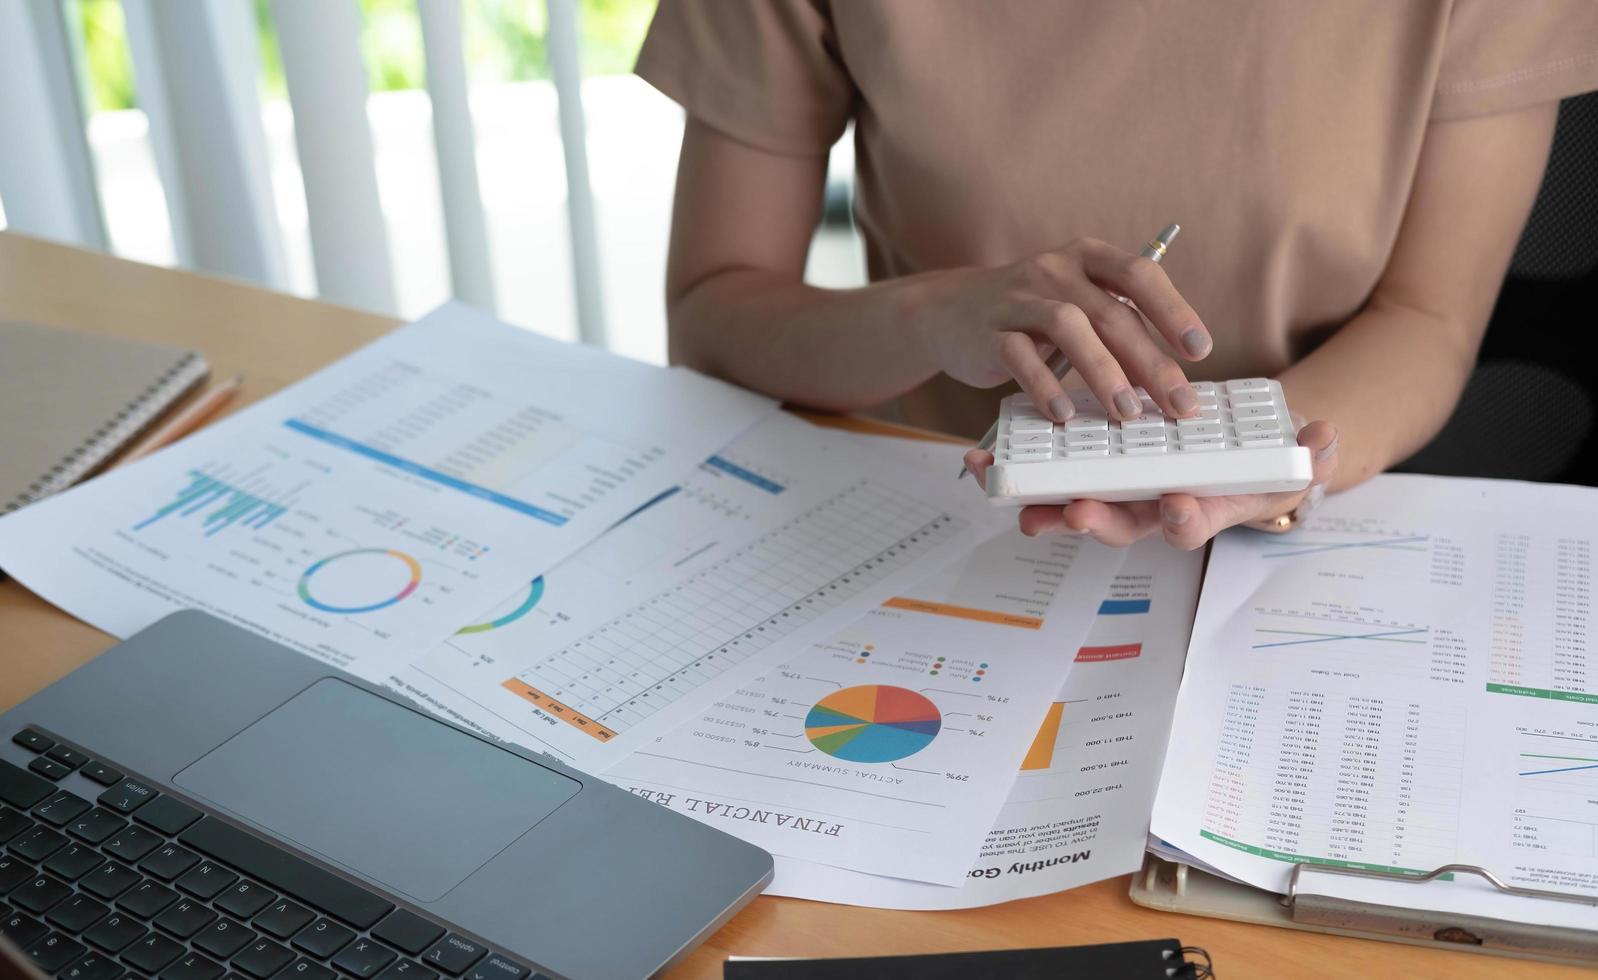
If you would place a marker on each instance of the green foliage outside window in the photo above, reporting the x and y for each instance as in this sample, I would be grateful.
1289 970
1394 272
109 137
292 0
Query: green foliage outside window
504 43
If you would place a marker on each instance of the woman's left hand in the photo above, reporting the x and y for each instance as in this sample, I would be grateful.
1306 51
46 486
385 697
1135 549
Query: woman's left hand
1186 521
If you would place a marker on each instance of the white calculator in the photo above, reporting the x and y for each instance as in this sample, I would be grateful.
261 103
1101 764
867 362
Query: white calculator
1242 441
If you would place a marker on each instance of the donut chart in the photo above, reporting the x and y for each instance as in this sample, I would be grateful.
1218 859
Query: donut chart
873 723
535 592
345 582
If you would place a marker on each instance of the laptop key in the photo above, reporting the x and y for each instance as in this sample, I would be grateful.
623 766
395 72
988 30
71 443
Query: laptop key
101 773
39 893
131 843
152 953
364 958
185 918
245 899
95 826
408 931
32 740
21 928
285 872
223 938
110 880
262 958
95 966
304 969
206 879
49 768
454 954
73 861
13 872
69 757
496 967
167 815
21 788
77 914
38 843
12 823
114 932
54 951
60 808
323 938
147 899
407 970
193 967
168 861
284 918
127 796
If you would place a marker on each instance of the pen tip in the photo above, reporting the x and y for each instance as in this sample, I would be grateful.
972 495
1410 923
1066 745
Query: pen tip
1171 231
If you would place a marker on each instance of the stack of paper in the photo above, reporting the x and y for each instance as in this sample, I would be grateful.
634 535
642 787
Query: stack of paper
1408 681
824 644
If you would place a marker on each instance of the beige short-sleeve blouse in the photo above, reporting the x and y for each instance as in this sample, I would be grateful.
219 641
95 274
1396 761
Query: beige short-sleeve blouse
1283 136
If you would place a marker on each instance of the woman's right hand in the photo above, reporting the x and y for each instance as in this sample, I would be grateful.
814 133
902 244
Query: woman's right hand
984 326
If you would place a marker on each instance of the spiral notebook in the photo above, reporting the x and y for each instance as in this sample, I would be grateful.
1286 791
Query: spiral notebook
69 400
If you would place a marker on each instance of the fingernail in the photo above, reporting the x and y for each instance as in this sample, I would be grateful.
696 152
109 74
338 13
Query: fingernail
1184 399
1174 515
1128 404
1196 342
1327 451
1061 409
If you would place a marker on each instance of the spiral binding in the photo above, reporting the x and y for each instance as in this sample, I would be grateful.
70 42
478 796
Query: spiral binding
115 433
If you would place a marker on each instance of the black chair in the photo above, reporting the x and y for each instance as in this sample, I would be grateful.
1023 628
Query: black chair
1528 411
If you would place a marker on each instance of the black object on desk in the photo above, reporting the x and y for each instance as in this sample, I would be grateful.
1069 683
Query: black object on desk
1153 959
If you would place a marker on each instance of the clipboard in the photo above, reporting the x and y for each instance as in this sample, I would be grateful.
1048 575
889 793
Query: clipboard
1169 886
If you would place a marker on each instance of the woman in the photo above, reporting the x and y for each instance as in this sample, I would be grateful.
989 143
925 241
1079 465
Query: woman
1351 178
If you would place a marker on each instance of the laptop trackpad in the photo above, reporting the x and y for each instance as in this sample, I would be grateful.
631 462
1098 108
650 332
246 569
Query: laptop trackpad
378 788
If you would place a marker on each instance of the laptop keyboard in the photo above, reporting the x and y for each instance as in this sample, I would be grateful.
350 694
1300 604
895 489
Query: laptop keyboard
137 883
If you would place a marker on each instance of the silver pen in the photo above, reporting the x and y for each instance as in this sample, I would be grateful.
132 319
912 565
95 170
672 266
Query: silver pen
1061 364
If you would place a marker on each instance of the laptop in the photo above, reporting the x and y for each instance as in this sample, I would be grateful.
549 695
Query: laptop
200 803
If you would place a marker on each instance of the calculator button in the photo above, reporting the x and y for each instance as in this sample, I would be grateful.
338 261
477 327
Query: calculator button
1202 432
1205 446
1144 431
1075 452
1248 384
1244 413
1262 428
1199 426
1146 449
1259 442
1030 455
1204 388
1088 438
1251 398
1088 424
1018 426
1026 440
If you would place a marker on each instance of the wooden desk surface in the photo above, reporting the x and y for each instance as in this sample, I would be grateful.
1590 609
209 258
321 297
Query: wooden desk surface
275 339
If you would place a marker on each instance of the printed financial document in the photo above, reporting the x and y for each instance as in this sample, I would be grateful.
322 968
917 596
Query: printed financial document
1409 680
1079 806
888 745
786 533
366 513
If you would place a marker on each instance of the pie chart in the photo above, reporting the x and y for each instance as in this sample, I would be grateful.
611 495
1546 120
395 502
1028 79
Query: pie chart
873 723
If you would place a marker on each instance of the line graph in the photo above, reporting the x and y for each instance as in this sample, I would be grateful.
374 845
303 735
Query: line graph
1590 764
1388 636
1290 546
1296 627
